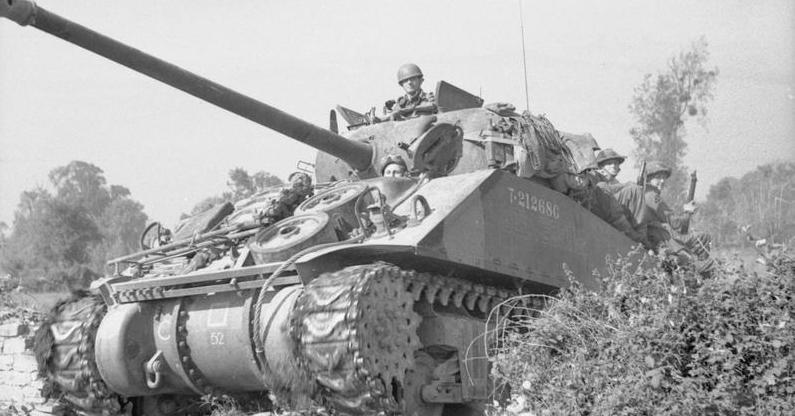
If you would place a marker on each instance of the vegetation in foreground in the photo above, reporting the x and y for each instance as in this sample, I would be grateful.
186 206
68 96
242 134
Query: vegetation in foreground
657 343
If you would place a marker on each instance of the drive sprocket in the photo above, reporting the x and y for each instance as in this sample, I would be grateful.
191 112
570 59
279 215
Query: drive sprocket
356 333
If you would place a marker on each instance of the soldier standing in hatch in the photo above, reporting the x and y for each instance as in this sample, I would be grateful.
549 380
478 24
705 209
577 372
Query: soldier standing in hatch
664 225
415 102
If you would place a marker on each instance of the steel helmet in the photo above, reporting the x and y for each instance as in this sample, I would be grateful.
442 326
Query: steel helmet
407 71
609 154
656 168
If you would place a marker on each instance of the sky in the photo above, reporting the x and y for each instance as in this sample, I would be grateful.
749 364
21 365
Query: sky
59 103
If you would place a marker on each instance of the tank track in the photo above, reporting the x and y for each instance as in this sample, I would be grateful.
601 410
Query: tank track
356 330
64 349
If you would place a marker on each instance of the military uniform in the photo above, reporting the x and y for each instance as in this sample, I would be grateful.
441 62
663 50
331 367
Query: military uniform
582 188
406 106
629 195
664 226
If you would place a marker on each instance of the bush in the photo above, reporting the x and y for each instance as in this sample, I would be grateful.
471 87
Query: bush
657 343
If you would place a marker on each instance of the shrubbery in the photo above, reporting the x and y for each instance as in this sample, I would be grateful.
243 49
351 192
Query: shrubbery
658 343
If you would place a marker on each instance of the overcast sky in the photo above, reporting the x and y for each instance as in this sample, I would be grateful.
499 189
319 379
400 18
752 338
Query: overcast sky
59 103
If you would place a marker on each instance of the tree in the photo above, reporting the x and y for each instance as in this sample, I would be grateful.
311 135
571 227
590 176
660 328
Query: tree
121 225
49 236
64 233
717 214
82 184
244 185
241 185
661 106
763 199
263 180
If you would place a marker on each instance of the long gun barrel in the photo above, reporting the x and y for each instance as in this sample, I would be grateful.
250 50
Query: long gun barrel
357 154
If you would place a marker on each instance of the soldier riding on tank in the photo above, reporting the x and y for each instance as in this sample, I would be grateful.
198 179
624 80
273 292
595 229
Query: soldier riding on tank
629 195
665 227
415 102
583 187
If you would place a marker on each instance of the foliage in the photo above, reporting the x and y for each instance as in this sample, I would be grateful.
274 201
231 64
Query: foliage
657 343
763 199
66 234
661 105
240 405
241 185
121 224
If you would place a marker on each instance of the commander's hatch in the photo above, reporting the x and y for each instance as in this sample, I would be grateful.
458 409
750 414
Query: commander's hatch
448 98
451 98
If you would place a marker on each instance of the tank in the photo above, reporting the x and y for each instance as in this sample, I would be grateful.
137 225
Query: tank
361 293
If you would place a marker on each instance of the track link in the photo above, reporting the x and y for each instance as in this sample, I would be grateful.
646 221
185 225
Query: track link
65 353
356 330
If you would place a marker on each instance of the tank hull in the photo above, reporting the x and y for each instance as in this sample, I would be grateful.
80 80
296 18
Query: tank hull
492 227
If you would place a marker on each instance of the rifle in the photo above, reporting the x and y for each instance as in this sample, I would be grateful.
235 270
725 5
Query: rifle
642 182
642 175
691 195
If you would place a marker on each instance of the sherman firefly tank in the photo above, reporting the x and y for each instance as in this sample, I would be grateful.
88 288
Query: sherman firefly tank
364 293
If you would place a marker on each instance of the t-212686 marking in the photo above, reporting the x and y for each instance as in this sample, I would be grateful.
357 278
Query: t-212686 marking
533 203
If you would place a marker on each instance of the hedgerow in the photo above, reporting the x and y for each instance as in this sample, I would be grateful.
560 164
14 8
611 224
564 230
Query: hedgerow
656 342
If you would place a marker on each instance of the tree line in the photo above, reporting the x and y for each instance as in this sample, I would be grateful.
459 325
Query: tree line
760 204
62 235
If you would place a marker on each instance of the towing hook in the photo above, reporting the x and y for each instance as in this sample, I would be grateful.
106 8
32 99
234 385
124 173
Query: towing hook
153 371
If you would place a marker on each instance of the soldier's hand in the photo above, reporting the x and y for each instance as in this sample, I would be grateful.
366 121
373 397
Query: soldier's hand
690 207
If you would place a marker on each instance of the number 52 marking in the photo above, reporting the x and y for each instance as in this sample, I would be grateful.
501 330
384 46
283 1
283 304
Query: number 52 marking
216 338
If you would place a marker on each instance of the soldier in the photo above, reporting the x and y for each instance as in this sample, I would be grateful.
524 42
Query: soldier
609 163
583 189
629 195
393 166
664 225
300 180
415 102
290 197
